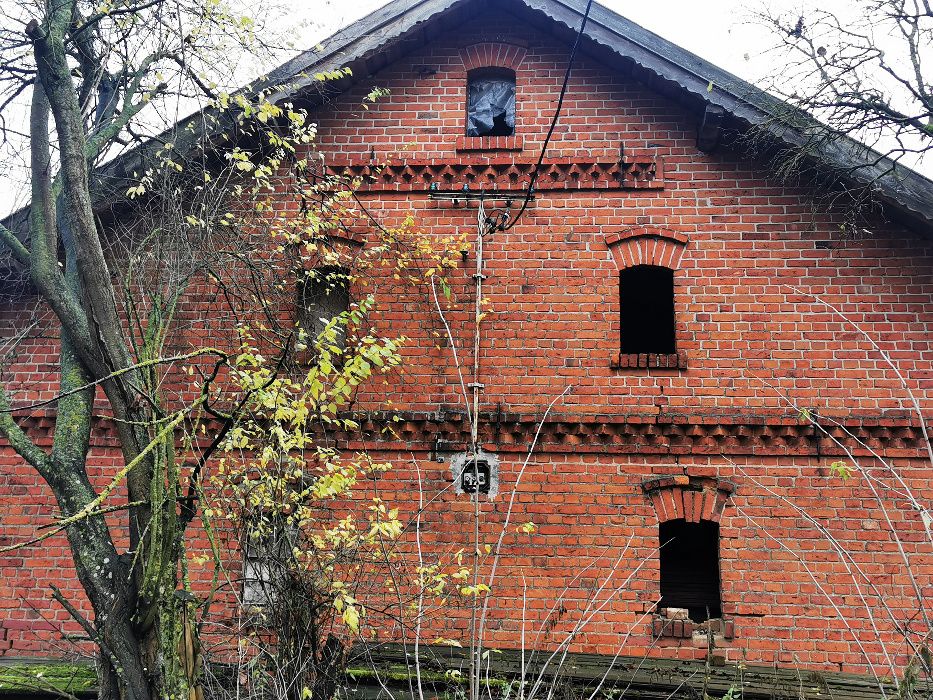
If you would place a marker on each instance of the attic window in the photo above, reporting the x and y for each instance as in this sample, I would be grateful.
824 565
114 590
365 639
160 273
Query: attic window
690 568
491 102
324 295
647 309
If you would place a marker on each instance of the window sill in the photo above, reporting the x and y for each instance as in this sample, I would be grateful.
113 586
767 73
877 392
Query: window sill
685 629
653 360
489 143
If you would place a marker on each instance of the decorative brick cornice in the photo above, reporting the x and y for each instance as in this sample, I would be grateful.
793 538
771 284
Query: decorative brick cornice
664 434
649 434
502 174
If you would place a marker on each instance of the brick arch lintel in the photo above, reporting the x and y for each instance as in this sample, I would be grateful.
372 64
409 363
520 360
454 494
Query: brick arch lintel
647 245
693 498
493 54
344 245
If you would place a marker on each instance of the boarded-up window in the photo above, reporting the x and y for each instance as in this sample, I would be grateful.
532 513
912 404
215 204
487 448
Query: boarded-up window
491 102
267 548
258 580
690 568
324 294
646 295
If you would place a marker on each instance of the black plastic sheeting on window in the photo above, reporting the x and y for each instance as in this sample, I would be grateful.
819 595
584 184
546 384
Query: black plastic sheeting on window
491 106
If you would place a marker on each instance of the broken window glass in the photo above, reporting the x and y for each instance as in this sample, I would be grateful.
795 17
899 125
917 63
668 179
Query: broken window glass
491 102
267 556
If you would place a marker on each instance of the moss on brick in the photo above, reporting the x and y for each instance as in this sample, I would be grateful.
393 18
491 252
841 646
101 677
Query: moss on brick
46 676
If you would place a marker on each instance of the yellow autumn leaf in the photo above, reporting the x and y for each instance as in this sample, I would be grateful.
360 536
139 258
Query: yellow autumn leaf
351 618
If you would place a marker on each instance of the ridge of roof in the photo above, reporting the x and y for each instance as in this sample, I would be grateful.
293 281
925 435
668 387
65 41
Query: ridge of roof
898 185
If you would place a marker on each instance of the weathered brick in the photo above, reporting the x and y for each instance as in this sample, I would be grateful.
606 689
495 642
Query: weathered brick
740 242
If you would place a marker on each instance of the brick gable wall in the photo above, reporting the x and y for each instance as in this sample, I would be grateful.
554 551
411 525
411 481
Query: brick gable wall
746 251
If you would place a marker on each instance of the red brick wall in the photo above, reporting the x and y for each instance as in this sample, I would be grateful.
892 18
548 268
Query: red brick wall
747 252
777 567
553 283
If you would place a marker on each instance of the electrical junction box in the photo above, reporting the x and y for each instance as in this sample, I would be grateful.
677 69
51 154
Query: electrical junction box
475 477
475 473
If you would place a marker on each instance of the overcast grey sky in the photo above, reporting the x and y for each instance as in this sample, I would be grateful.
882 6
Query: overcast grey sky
722 31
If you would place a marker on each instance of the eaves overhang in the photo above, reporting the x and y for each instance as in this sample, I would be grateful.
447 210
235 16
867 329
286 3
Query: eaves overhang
401 26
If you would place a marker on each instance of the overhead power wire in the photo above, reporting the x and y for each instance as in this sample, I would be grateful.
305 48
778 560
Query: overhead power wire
547 139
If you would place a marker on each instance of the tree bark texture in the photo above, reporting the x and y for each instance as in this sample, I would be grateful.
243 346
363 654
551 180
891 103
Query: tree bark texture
138 623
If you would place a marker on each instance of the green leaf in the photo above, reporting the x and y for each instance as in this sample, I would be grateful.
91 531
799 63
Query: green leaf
841 469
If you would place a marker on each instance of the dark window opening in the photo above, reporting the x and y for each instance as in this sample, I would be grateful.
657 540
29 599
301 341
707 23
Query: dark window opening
690 568
324 295
647 304
491 102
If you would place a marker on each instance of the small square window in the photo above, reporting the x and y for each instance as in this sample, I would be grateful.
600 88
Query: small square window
491 102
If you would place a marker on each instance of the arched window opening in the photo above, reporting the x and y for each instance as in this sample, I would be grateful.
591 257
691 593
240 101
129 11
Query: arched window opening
690 568
647 308
324 294
491 102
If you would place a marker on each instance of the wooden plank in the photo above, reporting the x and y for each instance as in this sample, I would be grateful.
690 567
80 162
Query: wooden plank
628 677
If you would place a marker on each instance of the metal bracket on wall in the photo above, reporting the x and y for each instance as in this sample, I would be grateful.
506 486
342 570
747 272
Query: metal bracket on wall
457 196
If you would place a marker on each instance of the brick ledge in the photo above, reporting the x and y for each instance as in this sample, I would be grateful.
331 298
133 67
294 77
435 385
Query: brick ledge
684 629
652 360
489 143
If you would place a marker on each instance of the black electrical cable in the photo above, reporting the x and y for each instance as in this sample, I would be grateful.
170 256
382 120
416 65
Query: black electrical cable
560 103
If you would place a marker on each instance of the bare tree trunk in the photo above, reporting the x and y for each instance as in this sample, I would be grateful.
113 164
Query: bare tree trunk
126 624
